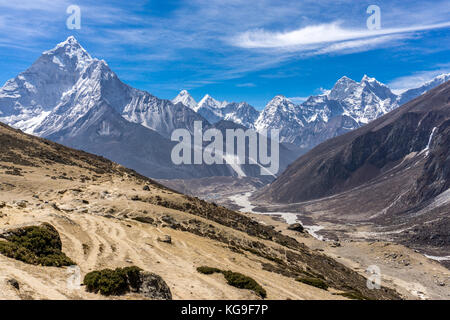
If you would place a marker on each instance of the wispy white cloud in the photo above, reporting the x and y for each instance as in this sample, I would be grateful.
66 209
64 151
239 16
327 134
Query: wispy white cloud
246 85
34 5
361 45
200 42
416 79
318 37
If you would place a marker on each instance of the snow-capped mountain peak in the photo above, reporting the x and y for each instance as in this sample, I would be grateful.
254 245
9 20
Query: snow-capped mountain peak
279 98
214 111
363 101
366 78
36 91
186 99
280 113
351 103
211 109
69 52
65 85
413 93
278 102
209 102
241 113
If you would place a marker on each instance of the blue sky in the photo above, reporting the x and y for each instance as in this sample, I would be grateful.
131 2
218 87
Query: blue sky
237 50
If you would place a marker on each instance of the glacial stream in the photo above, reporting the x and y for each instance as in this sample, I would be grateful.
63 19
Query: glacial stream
242 200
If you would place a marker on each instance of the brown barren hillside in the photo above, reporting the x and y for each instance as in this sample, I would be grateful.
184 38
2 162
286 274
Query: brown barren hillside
108 216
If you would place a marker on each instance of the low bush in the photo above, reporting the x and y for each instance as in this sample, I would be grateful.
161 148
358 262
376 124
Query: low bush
113 282
208 270
237 280
39 245
352 295
318 283
241 281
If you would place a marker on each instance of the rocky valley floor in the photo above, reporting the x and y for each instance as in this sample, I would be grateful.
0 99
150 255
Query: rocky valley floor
416 271
410 272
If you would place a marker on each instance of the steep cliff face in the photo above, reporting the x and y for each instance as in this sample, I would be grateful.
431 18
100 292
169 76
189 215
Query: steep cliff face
435 177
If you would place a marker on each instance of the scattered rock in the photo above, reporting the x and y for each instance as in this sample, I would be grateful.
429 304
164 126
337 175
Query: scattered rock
14 283
146 188
67 208
144 220
405 262
170 221
335 244
21 203
440 283
166 238
14 172
296 227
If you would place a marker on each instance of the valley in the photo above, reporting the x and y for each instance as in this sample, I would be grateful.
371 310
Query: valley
417 271
358 245
363 180
108 216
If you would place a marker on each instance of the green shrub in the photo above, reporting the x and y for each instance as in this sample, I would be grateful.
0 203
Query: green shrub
208 270
133 276
241 281
113 282
318 283
35 245
353 295
236 279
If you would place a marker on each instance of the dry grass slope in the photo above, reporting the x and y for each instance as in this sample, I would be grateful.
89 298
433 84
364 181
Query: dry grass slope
111 217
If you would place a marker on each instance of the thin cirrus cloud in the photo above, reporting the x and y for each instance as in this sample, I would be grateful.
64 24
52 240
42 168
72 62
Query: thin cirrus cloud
324 38
246 85
416 79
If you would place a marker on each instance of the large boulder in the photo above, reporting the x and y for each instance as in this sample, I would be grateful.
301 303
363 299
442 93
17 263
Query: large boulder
153 286
296 227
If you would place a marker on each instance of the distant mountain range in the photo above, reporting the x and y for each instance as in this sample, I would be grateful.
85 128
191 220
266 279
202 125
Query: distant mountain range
71 98
214 111
393 174
347 106
404 135
74 99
